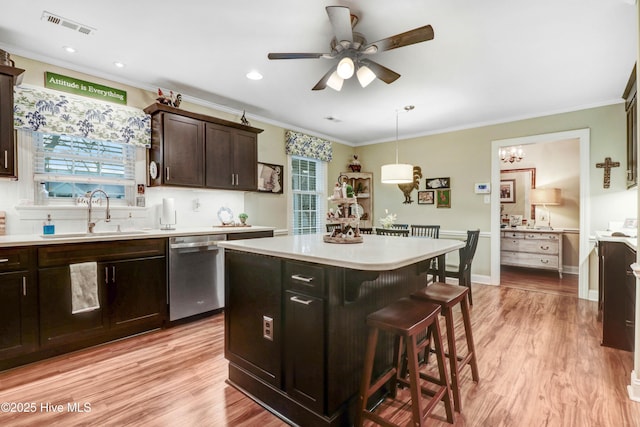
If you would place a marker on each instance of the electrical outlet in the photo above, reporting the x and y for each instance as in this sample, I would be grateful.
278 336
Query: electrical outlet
267 328
196 205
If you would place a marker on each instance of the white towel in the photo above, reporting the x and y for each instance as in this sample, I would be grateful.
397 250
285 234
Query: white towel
84 287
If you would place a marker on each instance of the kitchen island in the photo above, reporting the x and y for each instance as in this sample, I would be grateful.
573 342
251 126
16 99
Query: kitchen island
295 317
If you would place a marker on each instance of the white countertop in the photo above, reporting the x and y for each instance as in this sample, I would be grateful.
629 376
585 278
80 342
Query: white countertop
605 236
37 239
376 253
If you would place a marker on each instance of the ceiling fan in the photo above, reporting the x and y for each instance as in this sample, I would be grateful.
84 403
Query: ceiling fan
351 49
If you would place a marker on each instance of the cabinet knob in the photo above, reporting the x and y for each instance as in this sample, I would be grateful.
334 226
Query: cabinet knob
302 278
6 159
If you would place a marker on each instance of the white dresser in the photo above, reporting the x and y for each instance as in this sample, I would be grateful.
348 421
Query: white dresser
532 248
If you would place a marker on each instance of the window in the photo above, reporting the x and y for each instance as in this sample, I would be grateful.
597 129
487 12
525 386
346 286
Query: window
308 195
69 167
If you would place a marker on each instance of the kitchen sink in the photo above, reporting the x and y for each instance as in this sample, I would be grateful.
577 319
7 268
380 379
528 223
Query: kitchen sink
95 234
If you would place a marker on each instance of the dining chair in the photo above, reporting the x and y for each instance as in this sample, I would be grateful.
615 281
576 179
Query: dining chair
432 231
462 271
400 226
392 232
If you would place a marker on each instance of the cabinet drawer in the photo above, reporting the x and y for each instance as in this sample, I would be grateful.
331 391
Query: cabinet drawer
513 234
529 260
14 259
541 236
530 246
59 255
305 278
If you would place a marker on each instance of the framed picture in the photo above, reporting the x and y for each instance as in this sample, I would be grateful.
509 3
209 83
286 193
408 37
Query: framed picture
515 220
508 191
270 178
434 183
444 198
426 197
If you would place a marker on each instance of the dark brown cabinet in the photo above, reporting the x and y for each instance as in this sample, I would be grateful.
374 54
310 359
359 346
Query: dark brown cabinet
617 294
9 77
253 324
304 334
231 158
18 303
183 151
131 290
632 129
194 150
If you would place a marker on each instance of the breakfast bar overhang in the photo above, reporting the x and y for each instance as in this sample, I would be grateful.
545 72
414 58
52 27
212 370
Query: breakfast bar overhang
295 312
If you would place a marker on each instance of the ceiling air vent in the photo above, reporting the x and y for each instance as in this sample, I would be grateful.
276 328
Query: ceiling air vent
75 26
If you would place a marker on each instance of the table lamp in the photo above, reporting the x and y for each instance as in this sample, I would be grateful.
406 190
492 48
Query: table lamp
544 197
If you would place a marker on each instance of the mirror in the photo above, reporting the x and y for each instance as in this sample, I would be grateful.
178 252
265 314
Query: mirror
515 196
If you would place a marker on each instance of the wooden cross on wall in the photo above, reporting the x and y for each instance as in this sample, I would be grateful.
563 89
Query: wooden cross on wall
607 165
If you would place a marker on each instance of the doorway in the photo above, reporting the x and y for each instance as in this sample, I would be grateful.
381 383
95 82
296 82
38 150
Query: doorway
583 136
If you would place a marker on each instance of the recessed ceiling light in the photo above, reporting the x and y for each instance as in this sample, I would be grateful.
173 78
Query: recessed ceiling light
254 75
119 64
69 49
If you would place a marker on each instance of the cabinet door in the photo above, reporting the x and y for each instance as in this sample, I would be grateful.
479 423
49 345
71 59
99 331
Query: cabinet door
614 276
245 160
219 157
7 146
183 151
18 314
136 292
304 318
253 326
57 324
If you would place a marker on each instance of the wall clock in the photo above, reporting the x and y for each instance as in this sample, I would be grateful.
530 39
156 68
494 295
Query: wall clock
153 170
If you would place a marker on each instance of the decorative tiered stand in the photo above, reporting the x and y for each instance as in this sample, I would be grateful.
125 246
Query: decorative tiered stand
348 219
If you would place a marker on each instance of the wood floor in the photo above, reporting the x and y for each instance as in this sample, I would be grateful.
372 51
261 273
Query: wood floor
539 356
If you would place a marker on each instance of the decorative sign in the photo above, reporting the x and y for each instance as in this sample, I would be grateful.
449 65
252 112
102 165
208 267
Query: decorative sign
84 88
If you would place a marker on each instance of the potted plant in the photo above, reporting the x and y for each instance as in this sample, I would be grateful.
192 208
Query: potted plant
243 218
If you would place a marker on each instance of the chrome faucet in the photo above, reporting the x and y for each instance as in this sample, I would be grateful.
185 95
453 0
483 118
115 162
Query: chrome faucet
91 224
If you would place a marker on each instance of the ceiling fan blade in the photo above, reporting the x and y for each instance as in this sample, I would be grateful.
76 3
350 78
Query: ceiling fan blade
294 55
340 18
417 35
322 84
381 72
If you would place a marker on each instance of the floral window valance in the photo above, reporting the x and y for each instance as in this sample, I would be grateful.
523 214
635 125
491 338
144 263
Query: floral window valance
49 111
309 146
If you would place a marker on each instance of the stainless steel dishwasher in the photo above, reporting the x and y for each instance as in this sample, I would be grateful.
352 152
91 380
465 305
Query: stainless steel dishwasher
196 275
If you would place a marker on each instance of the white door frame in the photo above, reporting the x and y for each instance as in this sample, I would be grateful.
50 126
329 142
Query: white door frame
583 135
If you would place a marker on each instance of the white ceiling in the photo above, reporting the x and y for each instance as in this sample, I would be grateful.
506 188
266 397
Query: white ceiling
490 61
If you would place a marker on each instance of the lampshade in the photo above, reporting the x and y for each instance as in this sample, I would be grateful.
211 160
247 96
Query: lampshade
365 75
397 173
345 68
335 81
545 196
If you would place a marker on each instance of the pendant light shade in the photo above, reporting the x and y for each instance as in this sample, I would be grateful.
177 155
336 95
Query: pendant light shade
397 173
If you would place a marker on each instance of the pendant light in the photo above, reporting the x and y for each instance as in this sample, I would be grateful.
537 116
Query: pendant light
397 173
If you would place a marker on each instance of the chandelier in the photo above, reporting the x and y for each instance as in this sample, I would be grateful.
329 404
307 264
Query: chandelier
511 154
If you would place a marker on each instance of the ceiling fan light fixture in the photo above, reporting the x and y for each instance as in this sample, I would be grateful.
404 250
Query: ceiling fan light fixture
346 68
335 81
365 75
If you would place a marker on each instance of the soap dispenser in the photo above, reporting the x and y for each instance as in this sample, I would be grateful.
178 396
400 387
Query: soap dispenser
48 227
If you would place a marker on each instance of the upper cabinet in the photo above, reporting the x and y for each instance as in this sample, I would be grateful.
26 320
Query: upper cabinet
632 130
194 150
9 77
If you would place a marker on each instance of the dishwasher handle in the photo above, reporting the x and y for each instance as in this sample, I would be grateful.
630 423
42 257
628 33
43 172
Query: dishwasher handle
210 246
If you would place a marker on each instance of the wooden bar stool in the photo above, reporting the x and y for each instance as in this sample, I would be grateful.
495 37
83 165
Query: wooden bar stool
405 318
447 296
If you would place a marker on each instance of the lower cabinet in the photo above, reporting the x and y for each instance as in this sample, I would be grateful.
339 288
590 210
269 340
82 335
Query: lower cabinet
617 294
18 303
131 288
253 321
